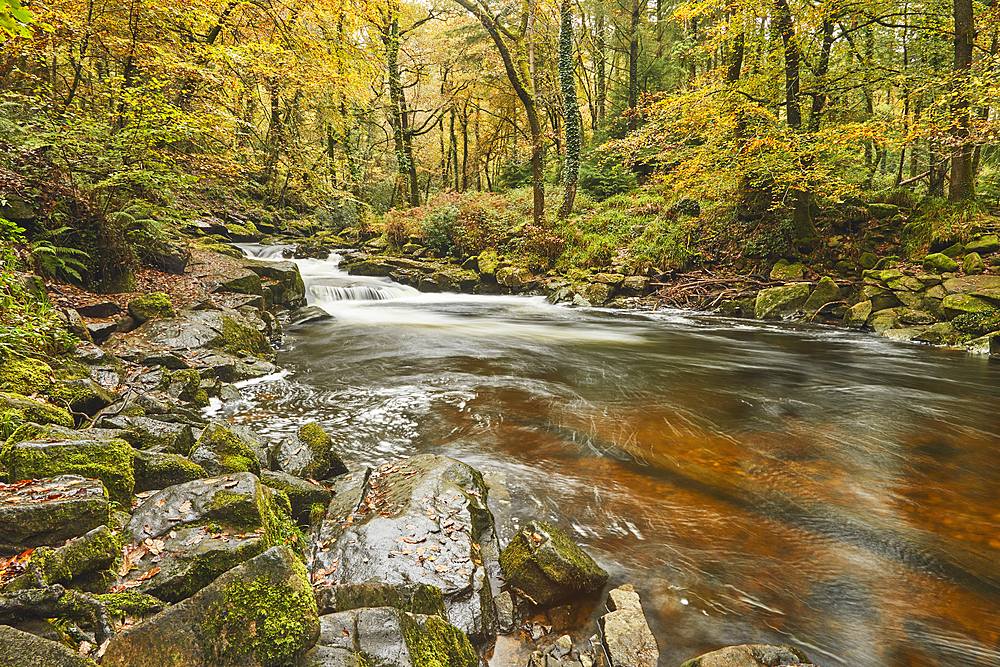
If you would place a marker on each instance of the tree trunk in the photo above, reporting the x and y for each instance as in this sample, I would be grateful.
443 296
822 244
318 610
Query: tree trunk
962 184
633 66
571 108
600 64
793 59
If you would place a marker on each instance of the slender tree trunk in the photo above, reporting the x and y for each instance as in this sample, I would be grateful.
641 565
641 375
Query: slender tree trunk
600 65
633 65
962 184
793 59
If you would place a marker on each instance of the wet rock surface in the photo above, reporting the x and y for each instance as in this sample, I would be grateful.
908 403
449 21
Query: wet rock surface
47 512
751 655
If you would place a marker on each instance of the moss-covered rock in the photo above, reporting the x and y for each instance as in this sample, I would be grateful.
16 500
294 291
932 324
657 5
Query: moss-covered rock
158 470
940 263
978 323
80 558
307 454
857 315
960 304
778 302
868 260
782 270
390 638
107 460
984 245
261 612
47 512
149 306
220 451
35 410
487 262
972 264
155 435
82 395
244 282
24 375
942 333
185 385
826 294
302 495
545 566
884 320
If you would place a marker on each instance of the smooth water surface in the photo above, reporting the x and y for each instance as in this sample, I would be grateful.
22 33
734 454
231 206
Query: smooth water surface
761 483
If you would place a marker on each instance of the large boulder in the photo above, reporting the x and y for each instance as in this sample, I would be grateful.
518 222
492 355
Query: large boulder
627 638
826 294
545 566
238 501
282 282
155 435
940 263
259 613
107 460
307 454
82 395
24 375
220 451
389 637
412 598
47 512
751 655
857 315
19 649
225 330
984 245
777 302
973 264
420 521
960 304
148 306
79 561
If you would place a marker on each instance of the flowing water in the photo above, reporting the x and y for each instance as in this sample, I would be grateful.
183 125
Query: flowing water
764 483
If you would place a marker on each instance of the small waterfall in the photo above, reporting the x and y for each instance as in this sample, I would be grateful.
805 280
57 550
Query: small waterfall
367 292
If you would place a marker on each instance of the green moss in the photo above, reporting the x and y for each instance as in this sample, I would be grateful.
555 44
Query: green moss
24 375
185 384
979 323
207 566
412 598
437 644
107 460
130 603
238 337
155 470
148 306
269 621
230 452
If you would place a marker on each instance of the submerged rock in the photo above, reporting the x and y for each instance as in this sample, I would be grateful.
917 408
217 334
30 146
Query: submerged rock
545 566
751 655
259 613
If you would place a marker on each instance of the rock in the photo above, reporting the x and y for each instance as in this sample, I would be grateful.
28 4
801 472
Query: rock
29 518
411 598
282 282
75 325
777 302
220 451
82 395
883 320
827 293
78 558
915 317
259 613
883 211
972 264
438 510
158 470
148 306
984 245
958 304
155 435
307 454
107 460
544 565
751 655
237 501
168 257
969 284
185 385
868 260
608 278
32 431
880 297
596 293
513 277
635 286
35 411
243 281
942 333
488 262
389 638
907 283
782 270
978 324
627 638
307 314
940 263
24 375
224 330
505 612
189 558
20 649
954 251
99 309
302 495
100 330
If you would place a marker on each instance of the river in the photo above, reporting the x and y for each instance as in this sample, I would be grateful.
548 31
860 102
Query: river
756 482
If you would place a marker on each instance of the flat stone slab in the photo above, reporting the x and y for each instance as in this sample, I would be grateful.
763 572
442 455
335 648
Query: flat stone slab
48 512
627 637
969 284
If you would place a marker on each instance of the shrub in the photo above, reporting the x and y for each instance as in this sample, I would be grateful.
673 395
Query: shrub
440 230
603 175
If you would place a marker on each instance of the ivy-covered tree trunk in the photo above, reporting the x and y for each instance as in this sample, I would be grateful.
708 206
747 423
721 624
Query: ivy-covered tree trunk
571 108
